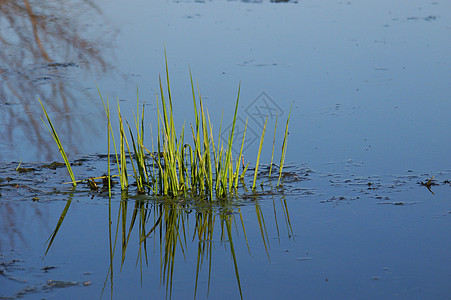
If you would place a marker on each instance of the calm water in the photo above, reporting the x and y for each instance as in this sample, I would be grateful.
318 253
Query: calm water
369 86
325 235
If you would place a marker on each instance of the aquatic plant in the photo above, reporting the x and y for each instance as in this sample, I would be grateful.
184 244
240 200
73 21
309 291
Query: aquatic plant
58 142
259 153
177 168
284 148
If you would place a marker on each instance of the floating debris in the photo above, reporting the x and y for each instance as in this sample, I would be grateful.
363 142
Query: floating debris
53 166
60 284
25 170
303 258
92 184
428 184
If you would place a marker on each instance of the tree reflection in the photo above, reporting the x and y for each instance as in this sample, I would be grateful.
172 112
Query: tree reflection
42 43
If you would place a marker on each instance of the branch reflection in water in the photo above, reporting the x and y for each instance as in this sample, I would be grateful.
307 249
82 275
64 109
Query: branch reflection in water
42 44
168 223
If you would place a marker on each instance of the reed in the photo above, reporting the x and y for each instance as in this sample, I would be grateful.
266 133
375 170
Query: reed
284 148
175 167
273 145
58 142
200 168
259 153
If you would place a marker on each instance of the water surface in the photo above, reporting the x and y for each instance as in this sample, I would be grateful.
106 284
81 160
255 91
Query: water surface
368 84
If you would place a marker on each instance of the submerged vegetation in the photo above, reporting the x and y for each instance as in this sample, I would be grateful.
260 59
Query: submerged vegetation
173 167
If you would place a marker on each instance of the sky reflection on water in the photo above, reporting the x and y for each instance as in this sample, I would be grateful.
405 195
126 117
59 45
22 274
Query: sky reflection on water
324 235
369 85
369 82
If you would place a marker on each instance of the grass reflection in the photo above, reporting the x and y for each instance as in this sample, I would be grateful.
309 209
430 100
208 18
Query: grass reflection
188 231
168 224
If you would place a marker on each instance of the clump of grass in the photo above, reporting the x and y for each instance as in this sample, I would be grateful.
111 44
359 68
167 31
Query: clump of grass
176 168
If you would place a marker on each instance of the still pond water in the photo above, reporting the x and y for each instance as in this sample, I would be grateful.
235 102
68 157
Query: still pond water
365 208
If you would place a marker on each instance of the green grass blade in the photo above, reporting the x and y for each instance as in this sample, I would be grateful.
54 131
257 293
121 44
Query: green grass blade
284 148
58 142
273 144
238 160
258 155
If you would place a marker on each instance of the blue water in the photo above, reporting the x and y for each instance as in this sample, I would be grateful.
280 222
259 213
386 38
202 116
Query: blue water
368 82
369 87
324 235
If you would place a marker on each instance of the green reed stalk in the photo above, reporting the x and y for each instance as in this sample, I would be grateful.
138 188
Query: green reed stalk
200 184
106 107
244 171
181 162
196 137
207 155
170 148
123 162
273 144
108 162
58 142
230 141
258 154
138 146
238 160
138 175
213 147
158 159
284 148
225 167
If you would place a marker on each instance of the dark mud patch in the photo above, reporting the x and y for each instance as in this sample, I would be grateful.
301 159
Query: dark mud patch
49 181
429 18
